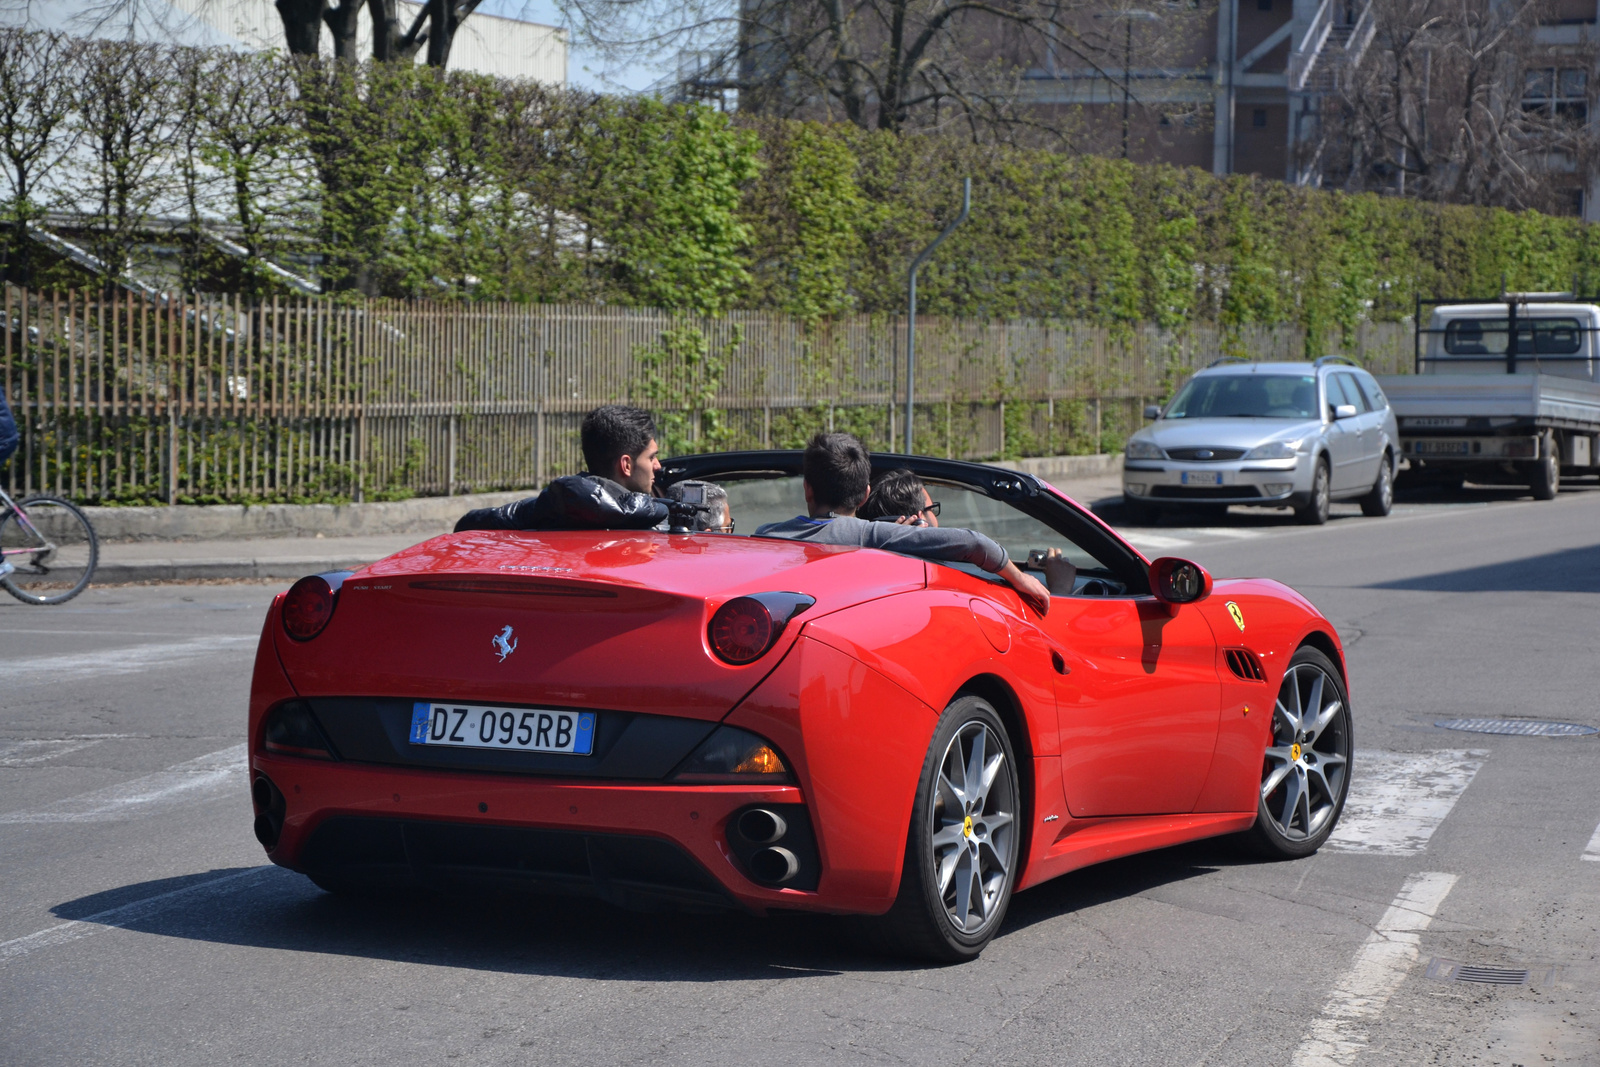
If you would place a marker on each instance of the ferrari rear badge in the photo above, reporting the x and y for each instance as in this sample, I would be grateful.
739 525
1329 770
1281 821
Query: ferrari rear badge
504 643
1238 616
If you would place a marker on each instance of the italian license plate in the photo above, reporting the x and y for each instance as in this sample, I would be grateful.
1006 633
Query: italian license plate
518 729
1201 477
1442 448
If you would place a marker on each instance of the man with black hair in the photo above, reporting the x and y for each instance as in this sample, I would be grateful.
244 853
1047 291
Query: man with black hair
836 477
619 445
900 496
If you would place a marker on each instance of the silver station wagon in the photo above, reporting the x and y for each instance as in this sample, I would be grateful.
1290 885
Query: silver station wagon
1269 435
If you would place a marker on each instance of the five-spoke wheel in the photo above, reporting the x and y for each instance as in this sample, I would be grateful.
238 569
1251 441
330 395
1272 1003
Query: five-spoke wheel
961 853
1305 775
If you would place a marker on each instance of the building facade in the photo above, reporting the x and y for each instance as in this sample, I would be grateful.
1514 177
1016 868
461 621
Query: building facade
485 44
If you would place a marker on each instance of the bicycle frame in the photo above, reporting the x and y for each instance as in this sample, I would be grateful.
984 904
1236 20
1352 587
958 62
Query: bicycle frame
44 545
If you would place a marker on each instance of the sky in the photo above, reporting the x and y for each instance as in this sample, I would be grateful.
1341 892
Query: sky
585 69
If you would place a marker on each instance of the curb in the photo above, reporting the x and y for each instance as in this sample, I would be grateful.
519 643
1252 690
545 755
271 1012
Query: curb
1065 468
288 568
235 522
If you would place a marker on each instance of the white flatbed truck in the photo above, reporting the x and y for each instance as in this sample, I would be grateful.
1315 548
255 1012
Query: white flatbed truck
1480 408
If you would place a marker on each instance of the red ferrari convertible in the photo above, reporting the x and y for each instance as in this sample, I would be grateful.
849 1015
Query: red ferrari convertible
720 720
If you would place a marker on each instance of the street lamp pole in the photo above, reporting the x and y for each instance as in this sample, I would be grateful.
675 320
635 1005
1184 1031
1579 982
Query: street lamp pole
1128 18
911 305
1127 60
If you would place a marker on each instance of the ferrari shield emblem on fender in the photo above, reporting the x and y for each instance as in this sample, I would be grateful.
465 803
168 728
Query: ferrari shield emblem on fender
505 644
1238 616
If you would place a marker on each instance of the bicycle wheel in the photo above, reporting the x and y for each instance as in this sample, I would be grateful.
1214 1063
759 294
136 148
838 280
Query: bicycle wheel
53 548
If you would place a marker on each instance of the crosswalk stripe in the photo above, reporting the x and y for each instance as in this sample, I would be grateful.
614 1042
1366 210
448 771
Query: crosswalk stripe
1398 799
1593 851
1339 1036
125 915
66 666
152 792
1156 541
25 752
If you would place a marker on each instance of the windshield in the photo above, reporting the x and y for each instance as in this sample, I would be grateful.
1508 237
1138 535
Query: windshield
1245 396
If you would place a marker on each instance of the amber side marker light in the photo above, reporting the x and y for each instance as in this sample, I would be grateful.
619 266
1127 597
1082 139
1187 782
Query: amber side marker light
290 729
732 754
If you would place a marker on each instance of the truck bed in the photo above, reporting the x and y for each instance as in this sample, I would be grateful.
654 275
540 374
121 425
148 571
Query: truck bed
1546 399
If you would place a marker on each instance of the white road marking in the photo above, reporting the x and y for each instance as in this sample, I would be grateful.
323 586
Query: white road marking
125 915
72 665
1339 1036
1231 532
1593 851
25 752
152 792
1156 541
1398 799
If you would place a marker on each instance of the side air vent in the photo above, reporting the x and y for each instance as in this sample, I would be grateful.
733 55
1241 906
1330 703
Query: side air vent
1243 662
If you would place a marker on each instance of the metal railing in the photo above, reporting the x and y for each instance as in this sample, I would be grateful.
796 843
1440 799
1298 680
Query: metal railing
210 398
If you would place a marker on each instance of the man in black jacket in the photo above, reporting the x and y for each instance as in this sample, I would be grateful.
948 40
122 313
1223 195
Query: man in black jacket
836 472
619 446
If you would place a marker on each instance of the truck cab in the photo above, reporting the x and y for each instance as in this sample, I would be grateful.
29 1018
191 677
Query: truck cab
1552 338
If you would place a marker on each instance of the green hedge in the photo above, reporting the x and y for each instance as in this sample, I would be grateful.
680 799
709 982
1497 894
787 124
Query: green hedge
422 184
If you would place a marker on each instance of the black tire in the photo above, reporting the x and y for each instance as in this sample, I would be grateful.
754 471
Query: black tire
1318 759
1380 501
979 850
55 574
1314 512
1544 475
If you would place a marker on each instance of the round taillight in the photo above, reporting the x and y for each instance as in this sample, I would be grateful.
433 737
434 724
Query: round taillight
742 630
308 607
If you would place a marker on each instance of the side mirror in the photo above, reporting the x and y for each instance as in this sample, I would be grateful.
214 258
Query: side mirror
1344 411
1178 581
1152 411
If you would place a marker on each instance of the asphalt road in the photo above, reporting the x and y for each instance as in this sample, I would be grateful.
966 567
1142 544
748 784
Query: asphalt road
139 923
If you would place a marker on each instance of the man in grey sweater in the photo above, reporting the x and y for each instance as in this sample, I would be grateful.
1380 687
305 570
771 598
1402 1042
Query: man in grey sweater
837 474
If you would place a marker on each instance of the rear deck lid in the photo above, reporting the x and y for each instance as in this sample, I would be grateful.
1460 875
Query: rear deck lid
572 619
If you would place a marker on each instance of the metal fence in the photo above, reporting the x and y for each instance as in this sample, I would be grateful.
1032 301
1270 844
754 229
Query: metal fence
211 399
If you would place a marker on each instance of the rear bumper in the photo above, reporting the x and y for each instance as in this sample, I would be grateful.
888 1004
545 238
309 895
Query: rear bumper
638 845
1443 451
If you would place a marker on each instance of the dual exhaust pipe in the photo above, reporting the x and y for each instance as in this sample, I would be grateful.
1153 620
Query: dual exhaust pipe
771 863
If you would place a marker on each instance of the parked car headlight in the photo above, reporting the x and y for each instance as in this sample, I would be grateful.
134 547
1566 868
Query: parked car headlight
1138 449
1274 450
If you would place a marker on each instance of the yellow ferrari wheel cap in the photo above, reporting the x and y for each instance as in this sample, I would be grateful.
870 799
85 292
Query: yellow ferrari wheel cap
1294 753
1238 616
966 827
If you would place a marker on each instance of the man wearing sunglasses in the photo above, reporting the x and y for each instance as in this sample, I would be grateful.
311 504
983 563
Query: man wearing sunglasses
836 476
899 496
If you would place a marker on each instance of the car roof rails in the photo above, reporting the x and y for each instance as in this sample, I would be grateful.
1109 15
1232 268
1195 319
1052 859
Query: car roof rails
1227 359
1336 359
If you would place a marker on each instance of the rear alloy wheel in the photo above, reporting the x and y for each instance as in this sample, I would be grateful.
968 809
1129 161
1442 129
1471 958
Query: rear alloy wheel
1305 773
962 849
1544 475
1314 512
1380 501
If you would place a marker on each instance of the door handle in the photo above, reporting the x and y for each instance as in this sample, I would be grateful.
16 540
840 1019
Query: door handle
1059 663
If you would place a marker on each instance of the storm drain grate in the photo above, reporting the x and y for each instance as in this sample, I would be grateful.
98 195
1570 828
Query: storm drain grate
1491 975
1453 971
1519 727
